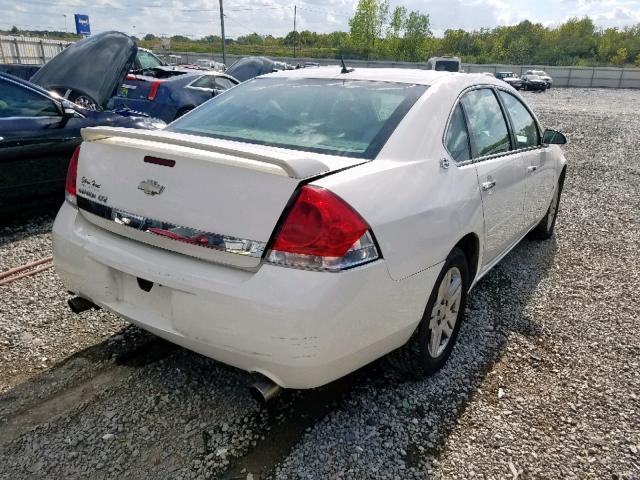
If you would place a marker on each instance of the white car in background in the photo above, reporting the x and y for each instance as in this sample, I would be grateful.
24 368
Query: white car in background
542 74
307 222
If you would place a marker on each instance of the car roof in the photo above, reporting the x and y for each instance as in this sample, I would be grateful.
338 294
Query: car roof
396 75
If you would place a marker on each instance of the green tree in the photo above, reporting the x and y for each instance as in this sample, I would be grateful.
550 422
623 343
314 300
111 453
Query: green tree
620 57
637 62
364 25
416 32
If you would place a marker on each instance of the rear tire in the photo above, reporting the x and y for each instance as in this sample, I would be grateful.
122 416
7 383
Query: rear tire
430 345
544 229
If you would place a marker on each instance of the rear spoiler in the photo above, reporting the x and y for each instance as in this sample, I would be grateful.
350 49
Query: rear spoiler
289 165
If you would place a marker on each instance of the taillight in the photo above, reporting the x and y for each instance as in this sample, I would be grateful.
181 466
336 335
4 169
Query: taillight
322 232
153 91
72 177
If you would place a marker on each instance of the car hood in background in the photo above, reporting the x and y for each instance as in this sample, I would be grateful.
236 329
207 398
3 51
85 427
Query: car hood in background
95 66
250 67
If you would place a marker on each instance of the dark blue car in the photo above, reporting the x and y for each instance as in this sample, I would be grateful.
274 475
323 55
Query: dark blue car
39 130
170 98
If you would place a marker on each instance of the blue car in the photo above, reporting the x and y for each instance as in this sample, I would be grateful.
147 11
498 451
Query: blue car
170 98
39 130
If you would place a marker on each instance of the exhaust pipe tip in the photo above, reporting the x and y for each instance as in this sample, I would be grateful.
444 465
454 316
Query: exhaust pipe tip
264 390
79 304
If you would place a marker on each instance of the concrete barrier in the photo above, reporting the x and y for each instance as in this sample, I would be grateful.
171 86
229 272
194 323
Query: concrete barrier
563 76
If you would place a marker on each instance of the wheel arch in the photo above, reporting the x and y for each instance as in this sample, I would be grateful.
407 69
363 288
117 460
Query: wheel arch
470 246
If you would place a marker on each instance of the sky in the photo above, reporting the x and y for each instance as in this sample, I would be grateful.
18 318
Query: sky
197 18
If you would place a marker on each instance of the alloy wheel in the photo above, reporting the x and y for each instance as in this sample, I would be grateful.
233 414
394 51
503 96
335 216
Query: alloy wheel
445 312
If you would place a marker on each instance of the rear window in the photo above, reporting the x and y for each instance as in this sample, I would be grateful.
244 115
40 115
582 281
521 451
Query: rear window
447 65
338 117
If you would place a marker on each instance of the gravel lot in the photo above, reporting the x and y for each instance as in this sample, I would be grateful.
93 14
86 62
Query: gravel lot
544 382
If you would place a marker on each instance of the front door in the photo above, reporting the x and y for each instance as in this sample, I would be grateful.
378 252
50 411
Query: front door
500 171
538 169
34 149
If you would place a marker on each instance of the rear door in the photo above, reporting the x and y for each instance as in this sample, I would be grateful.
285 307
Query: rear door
539 170
499 169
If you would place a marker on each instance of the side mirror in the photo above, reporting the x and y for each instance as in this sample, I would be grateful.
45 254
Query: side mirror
553 137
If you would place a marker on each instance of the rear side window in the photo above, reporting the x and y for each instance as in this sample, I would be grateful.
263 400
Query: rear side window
487 125
223 83
16 101
206 81
524 126
457 139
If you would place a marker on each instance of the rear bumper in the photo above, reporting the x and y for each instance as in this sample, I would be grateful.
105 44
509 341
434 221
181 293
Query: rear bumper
300 328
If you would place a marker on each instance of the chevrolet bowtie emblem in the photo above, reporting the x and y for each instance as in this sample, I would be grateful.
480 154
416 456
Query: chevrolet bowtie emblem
151 187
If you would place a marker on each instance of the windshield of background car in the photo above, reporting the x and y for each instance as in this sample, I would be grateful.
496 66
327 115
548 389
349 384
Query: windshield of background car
148 60
334 116
539 73
447 66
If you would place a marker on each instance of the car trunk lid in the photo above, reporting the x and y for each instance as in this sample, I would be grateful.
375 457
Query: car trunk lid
213 199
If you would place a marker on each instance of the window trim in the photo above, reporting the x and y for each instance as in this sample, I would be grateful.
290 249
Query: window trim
507 118
466 127
535 120
507 124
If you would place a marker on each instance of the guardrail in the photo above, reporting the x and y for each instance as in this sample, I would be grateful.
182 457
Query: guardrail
563 76
29 50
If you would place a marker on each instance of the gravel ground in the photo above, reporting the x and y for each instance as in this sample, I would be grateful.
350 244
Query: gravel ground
544 382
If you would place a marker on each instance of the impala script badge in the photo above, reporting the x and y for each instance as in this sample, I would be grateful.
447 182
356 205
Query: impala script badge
151 187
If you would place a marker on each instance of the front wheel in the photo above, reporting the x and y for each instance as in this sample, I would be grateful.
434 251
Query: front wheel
544 229
84 101
431 344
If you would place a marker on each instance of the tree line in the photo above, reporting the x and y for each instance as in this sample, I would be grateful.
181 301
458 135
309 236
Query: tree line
378 33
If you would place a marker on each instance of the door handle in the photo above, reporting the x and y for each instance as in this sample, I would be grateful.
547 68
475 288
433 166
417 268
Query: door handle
488 185
532 168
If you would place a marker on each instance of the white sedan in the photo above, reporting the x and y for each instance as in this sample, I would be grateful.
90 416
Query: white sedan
305 223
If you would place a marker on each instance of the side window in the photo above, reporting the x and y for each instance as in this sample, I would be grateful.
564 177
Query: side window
205 81
487 125
524 126
457 139
17 101
223 83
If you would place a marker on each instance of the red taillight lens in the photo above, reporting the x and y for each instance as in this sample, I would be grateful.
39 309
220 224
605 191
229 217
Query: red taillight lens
72 177
153 91
320 223
322 231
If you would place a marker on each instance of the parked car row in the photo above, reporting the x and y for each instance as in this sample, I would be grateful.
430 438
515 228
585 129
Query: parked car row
530 80
107 80
40 128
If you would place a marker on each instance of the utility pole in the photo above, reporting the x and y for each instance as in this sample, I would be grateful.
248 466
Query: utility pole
295 36
224 47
